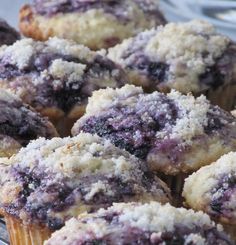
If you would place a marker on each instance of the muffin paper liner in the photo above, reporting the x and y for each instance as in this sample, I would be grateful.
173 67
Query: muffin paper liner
224 97
64 123
231 230
20 234
176 184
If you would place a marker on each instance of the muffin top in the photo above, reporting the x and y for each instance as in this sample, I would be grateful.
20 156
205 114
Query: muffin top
188 57
51 181
121 9
233 113
57 73
213 189
134 223
19 124
8 35
97 24
172 132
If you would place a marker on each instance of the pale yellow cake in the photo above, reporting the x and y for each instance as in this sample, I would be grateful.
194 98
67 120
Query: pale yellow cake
96 24
134 223
189 57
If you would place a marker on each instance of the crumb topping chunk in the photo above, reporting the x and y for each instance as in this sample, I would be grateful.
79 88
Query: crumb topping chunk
188 57
168 130
134 223
57 73
50 181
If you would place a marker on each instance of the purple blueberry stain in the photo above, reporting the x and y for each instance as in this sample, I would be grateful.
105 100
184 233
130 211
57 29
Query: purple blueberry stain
155 71
38 182
224 190
219 121
113 7
22 124
127 129
42 194
67 94
139 128
215 76
132 235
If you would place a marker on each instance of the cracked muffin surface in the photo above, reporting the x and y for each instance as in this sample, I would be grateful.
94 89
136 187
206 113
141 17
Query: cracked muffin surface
50 181
147 224
19 124
174 133
96 24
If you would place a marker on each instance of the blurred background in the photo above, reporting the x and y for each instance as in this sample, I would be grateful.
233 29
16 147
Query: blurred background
222 13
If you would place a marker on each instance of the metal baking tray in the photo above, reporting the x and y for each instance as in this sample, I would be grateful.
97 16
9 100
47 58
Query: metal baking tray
3 233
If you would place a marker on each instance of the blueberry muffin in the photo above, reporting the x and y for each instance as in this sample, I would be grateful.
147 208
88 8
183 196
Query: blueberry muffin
8 35
189 57
96 24
19 124
213 190
50 181
174 133
134 223
233 113
56 77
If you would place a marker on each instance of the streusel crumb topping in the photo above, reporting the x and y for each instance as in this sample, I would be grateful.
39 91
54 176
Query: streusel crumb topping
80 155
195 44
188 57
193 111
149 221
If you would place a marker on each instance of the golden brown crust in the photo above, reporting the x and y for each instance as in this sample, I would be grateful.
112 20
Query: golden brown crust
104 31
29 26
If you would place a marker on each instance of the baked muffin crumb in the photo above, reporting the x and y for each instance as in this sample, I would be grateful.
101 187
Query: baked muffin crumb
53 180
134 223
96 24
171 139
188 57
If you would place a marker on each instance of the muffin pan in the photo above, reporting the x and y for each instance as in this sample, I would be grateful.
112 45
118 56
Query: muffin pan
3 233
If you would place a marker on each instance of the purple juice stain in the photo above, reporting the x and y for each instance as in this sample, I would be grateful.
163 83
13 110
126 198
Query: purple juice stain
114 7
67 94
133 236
117 8
218 120
42 194
158 72
127 129
39 183
225 189
155 71
215 76
135 128
24 125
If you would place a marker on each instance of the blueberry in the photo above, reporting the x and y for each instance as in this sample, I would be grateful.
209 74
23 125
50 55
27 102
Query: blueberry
212 77
157 71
